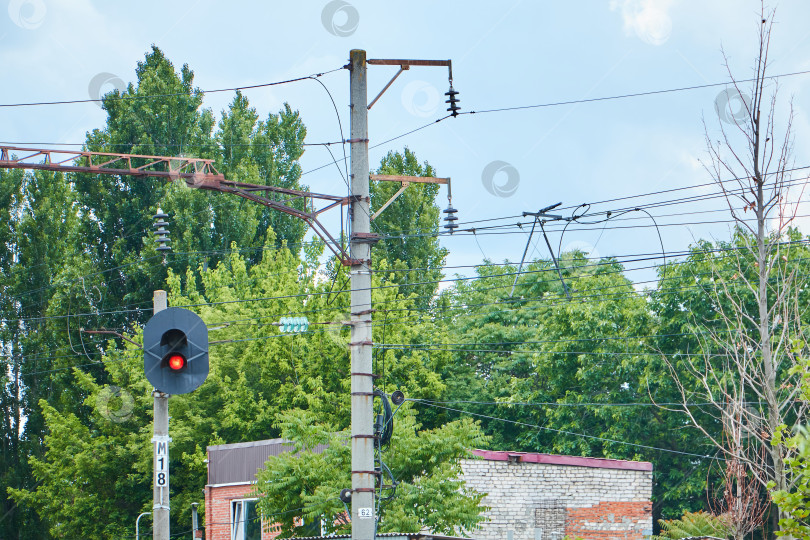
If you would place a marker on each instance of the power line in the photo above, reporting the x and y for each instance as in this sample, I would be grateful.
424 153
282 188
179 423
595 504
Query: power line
76 280
437 348
610 215
634 257
189 254
314 76
630 95
569 404
592 297
562 431
212 143
487 232
119 357
559 299
467 307
668 202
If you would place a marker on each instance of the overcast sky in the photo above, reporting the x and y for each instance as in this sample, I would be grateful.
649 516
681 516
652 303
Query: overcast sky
504 54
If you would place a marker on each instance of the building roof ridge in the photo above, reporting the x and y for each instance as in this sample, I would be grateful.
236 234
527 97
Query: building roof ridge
556 459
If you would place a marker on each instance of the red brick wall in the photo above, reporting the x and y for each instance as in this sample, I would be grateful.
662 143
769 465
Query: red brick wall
609 521
218 511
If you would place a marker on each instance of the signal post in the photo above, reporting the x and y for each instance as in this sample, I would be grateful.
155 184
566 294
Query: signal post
160 453
175 359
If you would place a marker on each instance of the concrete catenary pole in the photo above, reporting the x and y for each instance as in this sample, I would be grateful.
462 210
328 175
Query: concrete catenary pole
363 514
160 443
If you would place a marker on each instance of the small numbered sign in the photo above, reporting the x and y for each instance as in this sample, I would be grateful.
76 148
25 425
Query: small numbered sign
365 513
161 464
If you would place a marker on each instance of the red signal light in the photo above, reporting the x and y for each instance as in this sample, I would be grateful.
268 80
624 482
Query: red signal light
176 362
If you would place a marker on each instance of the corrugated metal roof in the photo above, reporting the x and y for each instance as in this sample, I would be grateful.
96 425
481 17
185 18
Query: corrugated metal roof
239 462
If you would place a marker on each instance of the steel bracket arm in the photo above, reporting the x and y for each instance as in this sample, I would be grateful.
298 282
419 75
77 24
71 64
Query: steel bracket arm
198 173
311 218
405 182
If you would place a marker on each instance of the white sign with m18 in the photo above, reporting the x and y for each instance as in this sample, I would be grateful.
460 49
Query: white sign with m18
161 463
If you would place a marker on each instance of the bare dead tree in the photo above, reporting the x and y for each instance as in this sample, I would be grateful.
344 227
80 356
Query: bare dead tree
743 503
745 373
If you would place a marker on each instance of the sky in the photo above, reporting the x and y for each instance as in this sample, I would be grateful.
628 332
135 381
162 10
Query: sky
504 54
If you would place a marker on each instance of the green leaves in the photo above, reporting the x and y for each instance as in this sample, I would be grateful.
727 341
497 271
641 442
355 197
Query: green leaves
794 503
694 524
411 224
423 462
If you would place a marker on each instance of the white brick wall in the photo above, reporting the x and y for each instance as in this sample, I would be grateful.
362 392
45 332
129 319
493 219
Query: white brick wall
516 489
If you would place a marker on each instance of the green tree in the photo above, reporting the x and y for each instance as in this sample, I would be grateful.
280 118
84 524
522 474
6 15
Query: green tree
256 375
12 471
425 464
161 114
573 377
794 503
76 252
409 227
709 312
44 220
265 153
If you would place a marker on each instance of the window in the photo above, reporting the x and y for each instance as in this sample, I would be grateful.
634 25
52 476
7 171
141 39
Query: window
246 524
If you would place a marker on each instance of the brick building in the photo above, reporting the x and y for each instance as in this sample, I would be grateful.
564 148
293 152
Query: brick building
531 496
230 509
547 497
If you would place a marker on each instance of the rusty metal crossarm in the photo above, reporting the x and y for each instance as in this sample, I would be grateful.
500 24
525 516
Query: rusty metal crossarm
403 178
405 65
311 219
48 153
287 191
202 181
404 62
108 162
329 206
99 163
198 173
64 161
291 199
35 154
405 182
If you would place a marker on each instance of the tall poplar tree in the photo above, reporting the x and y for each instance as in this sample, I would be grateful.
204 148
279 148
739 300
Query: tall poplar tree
409 227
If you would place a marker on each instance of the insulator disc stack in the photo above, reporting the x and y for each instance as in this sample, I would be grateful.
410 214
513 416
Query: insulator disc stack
450 219
452 101
162 233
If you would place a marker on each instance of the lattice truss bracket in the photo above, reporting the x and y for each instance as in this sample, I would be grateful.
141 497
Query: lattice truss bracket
196 172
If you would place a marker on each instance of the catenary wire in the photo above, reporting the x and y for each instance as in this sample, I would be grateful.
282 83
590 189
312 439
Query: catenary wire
570 404
132 98
562 431
458 279
629 95
462 350
417 347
